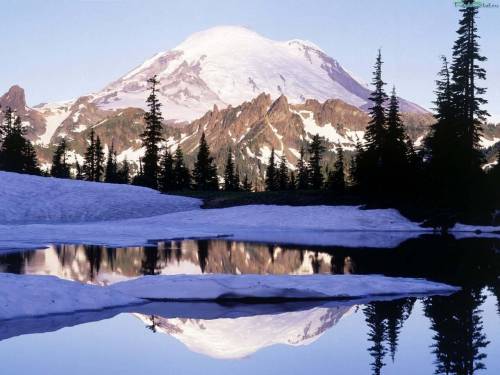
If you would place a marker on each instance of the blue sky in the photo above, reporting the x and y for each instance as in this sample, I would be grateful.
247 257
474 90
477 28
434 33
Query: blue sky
60 49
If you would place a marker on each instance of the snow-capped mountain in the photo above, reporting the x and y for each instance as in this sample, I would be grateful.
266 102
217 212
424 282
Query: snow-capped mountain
240 337
228 65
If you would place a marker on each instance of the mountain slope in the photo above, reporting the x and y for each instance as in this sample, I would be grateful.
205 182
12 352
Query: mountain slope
228 65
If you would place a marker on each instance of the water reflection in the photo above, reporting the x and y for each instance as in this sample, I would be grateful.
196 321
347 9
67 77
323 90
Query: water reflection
460 337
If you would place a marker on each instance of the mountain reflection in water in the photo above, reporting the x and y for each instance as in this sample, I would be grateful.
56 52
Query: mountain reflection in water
462 335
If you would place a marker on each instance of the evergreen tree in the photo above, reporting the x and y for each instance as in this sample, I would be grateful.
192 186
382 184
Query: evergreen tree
205 171
79 170
30 159
272 183
16 152
152 136
167 176
99 160
123 173
395 152
454 155
292 184
237 182
181 173
337 178
111 172
283 181
89 165
375 131
247 184
60 167
302 172
316 150
229 173
368 174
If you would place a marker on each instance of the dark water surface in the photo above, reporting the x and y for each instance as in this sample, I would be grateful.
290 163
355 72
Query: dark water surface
457 334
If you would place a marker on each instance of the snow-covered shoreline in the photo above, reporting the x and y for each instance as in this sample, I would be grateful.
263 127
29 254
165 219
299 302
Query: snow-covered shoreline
24 296
36 212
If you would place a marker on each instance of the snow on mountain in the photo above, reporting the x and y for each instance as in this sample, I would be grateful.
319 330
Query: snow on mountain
241 337
228 65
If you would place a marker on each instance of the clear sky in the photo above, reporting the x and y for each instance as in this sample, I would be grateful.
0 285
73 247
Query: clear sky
60 49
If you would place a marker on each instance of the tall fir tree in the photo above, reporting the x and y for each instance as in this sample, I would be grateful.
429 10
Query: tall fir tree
60 168
229 173
111 171
99 160
337 179
79 175
166 180
394 152
17 154
89 164
283 180
205 171
368 171
181 172
302 171
271 181
124 172
152 136
316 150
454 153
247 184
292 184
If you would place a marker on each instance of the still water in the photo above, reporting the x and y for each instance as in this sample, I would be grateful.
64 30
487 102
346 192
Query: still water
457 334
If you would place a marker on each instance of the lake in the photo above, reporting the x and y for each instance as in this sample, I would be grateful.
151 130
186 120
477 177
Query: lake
456 334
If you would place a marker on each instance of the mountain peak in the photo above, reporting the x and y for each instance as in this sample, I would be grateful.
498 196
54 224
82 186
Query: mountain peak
14 98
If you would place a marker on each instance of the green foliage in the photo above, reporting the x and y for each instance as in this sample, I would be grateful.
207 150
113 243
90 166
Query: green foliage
316 150
16 152
182 177
151 137
60 168
272 183
205 171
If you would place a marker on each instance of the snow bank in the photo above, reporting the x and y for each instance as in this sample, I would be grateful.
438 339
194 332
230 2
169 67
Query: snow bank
283 287
36 211
31 199
24 296
348 226
28 296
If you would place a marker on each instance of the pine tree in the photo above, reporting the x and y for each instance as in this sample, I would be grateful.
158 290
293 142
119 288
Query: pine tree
271 174
60 167
237 182
89 165
229 173
99 160
247 184
375 131
453 145
283 181
30 159
181 173
316 150
394 153
17 154
205 171
337 180
79 170
368 176
111 171
123 173
292 184
167 175
302 172
152 136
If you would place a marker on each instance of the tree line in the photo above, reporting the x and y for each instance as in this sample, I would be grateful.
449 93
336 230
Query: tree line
386 168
